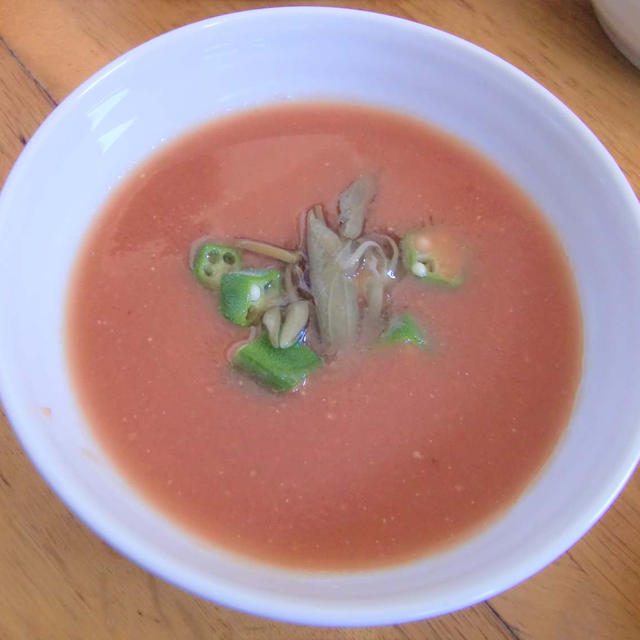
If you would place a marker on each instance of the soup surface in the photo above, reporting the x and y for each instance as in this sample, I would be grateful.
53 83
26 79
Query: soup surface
384 454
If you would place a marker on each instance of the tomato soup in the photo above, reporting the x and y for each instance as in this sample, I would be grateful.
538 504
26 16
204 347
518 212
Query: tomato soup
384 454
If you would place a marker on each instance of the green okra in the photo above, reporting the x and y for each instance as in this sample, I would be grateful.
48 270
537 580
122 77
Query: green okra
277 369
212 261
245 294
433 256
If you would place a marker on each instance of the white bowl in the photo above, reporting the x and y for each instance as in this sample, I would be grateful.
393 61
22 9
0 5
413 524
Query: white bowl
620 20
168 85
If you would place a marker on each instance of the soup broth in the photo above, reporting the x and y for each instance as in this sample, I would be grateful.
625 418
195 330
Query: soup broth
385 453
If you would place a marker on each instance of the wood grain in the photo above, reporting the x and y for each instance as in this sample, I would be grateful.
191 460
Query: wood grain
59 581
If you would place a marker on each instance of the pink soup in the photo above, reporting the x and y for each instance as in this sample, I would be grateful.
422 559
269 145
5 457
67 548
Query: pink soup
384 454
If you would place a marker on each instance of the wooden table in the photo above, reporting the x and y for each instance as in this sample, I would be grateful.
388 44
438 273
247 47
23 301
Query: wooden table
60 582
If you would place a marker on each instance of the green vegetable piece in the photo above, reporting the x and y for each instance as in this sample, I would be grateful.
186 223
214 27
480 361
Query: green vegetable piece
212 261
277 369
433 255
404 330
245 294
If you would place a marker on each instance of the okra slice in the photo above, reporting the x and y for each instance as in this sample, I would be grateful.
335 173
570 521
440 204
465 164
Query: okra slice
245 294
434 256
212 261
277 369
404 330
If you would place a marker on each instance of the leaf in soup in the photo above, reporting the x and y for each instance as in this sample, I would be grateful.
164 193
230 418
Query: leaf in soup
372 316
342 314
334 293
321 240
374 294
353 204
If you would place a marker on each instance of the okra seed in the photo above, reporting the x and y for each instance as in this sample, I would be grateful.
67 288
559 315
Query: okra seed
213 257
254 292
418 269
229 258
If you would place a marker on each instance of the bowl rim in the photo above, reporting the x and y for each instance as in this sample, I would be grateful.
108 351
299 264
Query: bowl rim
258 601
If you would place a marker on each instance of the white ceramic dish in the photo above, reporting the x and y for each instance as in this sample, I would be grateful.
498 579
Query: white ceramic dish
165 87
620 20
